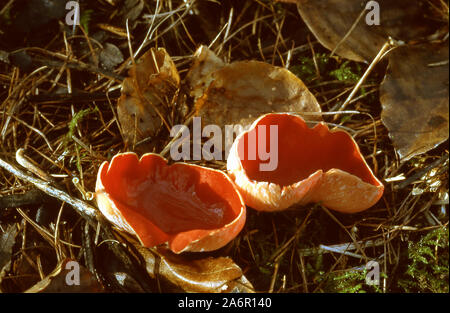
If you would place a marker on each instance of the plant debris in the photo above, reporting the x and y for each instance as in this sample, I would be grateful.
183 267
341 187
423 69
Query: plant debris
416 82
217 275
241 92
340 25
146 98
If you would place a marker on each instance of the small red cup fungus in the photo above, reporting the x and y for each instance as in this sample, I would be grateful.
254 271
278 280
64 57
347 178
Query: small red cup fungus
313 165
192 208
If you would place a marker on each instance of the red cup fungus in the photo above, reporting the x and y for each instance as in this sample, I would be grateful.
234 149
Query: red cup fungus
189 207
314 165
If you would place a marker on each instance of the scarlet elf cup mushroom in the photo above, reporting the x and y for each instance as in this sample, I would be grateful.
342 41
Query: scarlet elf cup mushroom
189 207
314 165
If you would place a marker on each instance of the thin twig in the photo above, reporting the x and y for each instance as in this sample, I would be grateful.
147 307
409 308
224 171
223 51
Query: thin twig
86 210
386 46
352 28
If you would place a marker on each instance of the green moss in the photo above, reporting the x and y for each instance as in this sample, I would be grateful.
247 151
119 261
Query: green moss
347 73
75 120
347 281
427 270
306 69
85 18
329 69
346 118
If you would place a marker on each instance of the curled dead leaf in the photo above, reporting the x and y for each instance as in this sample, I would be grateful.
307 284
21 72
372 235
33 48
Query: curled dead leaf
242 91
199 75
147 94
414 95
212 275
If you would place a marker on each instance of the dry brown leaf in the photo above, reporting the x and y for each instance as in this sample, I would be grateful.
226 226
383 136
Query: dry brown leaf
146 97
414 96
242 91
56 281
199 76
212 275
331 20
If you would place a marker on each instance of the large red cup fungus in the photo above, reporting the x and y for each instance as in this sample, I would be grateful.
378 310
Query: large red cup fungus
313 165
192 208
